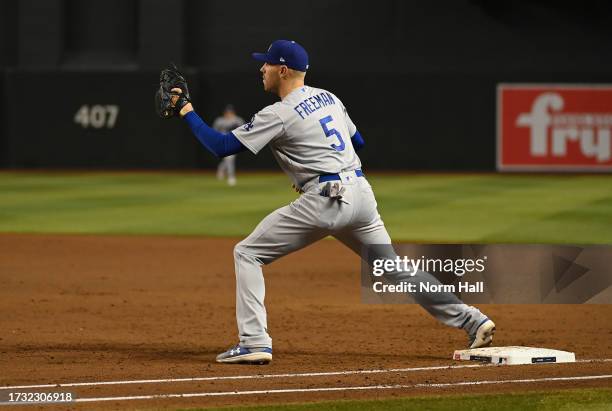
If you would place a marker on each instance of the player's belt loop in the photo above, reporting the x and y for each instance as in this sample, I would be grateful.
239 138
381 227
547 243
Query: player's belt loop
333 177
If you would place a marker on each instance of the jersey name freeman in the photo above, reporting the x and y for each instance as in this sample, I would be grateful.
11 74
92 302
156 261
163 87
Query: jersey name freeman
312 104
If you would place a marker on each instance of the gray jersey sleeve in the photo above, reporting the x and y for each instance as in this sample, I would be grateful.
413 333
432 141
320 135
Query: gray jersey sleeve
264 127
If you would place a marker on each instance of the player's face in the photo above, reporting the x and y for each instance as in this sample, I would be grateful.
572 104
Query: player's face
270 77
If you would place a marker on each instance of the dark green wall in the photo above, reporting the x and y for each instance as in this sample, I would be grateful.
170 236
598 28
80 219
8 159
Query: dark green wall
418 78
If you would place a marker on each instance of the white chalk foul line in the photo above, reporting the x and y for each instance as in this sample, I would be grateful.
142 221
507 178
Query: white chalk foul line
262 376
243 377
328 389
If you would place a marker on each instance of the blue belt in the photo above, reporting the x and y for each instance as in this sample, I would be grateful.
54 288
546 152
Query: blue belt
331 177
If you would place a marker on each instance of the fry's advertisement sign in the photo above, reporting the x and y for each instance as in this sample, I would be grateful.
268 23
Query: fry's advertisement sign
554 127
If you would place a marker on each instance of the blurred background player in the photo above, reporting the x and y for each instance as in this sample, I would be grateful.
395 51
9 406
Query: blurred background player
224 124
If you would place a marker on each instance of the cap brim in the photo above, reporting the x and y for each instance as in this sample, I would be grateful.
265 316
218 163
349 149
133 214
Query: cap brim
261 57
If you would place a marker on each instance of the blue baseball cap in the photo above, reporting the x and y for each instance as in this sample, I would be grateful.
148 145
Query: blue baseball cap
286 52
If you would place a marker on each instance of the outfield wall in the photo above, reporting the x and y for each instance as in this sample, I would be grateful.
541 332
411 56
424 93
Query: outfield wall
419 80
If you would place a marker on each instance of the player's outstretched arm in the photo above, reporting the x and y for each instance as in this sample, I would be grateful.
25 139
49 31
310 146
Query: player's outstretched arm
357 141
220 144
172 99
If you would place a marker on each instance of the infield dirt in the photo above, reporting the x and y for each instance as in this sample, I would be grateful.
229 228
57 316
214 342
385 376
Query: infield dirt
100 308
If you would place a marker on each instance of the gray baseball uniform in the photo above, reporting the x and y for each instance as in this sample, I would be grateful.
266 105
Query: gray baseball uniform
309 133
224 125
227 166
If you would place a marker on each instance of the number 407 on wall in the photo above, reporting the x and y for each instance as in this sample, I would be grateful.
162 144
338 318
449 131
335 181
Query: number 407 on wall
97 116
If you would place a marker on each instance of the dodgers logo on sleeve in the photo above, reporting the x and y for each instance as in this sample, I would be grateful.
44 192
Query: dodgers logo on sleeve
248 126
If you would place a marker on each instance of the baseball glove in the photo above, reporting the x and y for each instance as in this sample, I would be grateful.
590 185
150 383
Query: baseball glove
168 100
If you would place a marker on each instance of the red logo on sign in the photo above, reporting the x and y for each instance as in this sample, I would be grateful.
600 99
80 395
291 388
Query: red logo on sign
554 128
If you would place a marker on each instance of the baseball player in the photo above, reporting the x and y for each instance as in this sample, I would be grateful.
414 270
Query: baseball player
314 141
225 123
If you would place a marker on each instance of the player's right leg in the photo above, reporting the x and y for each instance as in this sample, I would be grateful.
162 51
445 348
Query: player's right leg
285 230
367 228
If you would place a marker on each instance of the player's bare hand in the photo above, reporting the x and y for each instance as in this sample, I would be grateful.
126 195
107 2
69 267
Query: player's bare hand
176 97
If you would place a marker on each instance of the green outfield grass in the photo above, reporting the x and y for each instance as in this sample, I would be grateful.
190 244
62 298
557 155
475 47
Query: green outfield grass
571 209
584 400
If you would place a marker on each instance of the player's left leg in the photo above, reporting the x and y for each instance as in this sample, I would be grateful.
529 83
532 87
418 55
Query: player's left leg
367 228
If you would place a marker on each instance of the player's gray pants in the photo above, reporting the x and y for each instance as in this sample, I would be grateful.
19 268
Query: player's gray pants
227 167
306 220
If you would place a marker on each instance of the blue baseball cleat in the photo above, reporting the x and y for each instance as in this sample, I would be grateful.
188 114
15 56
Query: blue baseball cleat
244 355
484 334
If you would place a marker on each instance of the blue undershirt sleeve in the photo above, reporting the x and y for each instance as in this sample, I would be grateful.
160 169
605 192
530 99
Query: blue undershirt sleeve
220 144
357 141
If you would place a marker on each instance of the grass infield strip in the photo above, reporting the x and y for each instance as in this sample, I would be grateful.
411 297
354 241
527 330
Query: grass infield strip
574 399
431 208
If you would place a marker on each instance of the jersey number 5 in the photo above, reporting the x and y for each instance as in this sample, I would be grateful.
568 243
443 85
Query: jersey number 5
329 132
